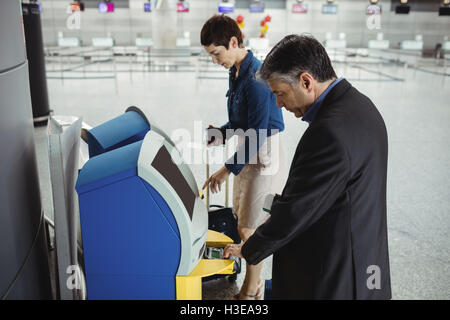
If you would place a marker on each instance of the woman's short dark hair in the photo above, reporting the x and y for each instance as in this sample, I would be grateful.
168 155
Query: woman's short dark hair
218 31
296 54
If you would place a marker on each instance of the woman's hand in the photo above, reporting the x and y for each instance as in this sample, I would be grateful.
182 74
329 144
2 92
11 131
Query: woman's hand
214 136
234 250
217 179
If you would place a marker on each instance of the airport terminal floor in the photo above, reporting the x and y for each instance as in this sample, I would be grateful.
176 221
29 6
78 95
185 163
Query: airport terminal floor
414 104
105 108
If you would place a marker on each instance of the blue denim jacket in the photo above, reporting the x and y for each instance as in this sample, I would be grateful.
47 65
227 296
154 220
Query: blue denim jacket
251 105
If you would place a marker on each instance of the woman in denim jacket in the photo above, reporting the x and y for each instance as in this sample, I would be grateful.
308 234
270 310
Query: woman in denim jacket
258 164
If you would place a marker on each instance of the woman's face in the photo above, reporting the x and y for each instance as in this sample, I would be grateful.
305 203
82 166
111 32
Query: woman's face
223 56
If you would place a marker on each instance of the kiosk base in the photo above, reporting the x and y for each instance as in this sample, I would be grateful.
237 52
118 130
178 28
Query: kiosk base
190 287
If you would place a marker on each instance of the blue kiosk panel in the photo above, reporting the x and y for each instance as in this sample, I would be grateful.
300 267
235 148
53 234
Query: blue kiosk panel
120 131
130 238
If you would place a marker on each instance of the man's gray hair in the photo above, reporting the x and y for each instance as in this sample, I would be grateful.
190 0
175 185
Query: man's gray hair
291 77
294 55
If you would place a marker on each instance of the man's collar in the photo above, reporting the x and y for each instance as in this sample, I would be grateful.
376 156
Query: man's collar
310 114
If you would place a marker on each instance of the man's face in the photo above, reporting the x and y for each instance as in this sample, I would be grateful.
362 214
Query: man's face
221 55
296 100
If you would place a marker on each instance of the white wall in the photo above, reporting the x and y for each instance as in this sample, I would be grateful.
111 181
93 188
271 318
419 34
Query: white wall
126 24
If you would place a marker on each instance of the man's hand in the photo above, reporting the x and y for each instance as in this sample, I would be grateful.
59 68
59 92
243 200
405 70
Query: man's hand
217 179
233 250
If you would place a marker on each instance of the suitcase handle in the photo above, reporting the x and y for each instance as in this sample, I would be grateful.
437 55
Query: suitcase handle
207 176
216 206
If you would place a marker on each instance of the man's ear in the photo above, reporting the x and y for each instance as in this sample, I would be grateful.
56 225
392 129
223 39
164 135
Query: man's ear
305 81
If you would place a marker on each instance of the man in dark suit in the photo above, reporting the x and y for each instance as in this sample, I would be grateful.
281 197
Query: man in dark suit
327 230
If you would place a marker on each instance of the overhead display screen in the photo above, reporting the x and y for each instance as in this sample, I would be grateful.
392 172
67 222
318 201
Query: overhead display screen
329 8
182 7
104 7
226 7
299 8
402 9
256 7
373 9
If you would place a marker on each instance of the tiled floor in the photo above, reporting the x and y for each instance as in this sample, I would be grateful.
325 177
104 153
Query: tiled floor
417 116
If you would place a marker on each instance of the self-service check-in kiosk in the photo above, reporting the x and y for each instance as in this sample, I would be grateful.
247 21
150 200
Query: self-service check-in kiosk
144 225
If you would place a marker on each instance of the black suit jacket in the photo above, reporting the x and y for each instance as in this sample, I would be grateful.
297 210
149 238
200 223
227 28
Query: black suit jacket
327 230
